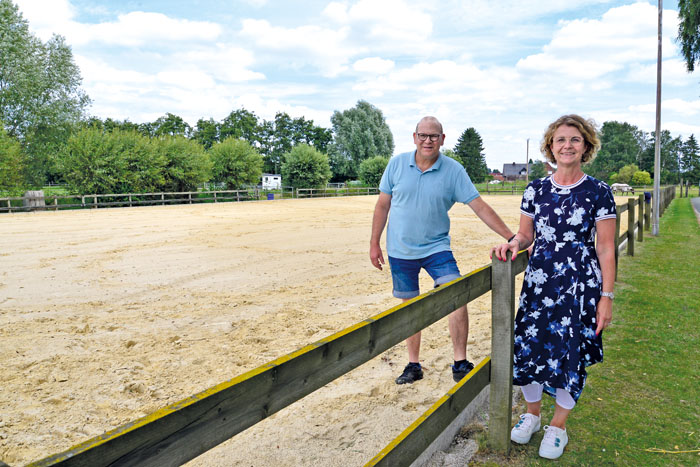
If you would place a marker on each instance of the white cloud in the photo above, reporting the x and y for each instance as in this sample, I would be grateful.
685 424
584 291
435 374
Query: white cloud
47 18
224 62
489 14
322 47
136 28
679 106
585 49
373 65
673 72
395 26
140 28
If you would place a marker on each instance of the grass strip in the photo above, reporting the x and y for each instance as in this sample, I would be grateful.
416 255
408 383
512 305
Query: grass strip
641 406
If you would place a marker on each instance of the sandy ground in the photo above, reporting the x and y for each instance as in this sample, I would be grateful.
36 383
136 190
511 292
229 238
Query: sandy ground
107 315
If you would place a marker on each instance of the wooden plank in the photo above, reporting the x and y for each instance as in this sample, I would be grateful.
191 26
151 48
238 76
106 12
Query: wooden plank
630 226
415 439
501 390
186 429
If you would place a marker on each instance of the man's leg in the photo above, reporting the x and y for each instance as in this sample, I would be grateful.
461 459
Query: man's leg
413 344
442 267
458 324
404 275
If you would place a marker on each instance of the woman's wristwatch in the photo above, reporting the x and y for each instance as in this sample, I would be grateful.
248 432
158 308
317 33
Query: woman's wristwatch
610 295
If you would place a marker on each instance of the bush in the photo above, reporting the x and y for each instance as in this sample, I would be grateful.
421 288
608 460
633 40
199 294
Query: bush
236 163
115 162
641 177
13 163
187 165
625 174
372 169
305 167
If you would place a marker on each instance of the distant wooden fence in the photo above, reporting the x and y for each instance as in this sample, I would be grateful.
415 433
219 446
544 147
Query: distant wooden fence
37 201
503 188
331 192
190 427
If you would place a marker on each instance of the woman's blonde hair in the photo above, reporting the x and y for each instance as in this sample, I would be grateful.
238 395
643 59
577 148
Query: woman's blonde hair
587 129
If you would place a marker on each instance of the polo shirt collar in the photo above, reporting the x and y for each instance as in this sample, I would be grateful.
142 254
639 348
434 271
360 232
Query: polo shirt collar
435 166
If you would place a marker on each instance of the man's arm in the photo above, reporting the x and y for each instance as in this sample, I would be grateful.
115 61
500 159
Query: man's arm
381 213
490 218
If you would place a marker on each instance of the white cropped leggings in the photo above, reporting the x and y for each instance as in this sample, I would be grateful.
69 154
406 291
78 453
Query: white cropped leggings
533 393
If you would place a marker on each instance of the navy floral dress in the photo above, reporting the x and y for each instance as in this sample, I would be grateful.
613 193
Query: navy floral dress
555 325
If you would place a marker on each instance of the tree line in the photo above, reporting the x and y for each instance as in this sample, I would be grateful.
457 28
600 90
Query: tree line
46 136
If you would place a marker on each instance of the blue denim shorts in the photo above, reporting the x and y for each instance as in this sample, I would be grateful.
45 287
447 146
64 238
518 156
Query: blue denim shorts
441 266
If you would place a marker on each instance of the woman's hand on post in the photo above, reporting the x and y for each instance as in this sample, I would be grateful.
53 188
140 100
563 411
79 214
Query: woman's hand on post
501 250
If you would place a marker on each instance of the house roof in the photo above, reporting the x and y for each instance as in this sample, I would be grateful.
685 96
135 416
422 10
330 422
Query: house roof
513 169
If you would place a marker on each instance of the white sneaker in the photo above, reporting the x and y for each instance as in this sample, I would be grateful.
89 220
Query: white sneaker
525 428
553 443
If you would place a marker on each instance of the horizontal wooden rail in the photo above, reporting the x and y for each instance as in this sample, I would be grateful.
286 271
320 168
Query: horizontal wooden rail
56 202
186 429
415 439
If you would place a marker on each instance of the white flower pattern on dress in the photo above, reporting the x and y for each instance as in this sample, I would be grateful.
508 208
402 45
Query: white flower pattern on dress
555 327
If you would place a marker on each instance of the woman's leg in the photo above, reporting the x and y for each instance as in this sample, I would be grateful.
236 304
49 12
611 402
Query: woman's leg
562 408
533 396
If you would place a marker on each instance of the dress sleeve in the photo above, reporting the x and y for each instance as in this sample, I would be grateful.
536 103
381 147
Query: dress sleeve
528 205
605 204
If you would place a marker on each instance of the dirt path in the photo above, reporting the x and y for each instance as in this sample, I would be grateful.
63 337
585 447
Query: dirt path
107 315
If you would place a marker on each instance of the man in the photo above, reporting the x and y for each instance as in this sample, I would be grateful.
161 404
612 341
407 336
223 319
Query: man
419 188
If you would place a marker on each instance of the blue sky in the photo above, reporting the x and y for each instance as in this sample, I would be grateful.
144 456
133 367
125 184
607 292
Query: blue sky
507 68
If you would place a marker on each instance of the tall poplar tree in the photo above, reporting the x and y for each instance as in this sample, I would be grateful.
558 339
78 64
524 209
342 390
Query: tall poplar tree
40 94
359 133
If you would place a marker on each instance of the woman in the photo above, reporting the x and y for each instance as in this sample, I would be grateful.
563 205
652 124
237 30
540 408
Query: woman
566 300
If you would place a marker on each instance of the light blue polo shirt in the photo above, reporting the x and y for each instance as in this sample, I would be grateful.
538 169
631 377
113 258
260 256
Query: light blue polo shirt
418 222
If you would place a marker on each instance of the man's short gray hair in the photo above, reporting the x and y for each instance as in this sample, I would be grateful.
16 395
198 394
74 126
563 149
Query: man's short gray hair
429 119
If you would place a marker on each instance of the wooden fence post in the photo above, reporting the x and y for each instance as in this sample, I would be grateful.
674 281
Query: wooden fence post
640 222
501 388
647 214
630 227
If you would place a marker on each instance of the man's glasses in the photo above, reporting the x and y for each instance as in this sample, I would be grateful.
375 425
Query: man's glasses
424 136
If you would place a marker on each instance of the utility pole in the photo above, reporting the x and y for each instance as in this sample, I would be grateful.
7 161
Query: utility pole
527 162
657 145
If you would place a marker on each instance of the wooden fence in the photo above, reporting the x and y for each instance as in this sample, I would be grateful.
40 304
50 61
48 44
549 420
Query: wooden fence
332 192
37 201
190 427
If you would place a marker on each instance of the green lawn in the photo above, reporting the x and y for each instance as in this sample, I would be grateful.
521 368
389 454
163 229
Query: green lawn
641 406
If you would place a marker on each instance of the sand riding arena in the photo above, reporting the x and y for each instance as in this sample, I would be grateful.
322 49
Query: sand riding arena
107 315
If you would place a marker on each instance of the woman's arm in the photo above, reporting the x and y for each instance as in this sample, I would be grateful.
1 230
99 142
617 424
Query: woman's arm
522 239
605 248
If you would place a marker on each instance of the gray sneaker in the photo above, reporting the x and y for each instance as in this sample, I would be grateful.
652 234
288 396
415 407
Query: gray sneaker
523 430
